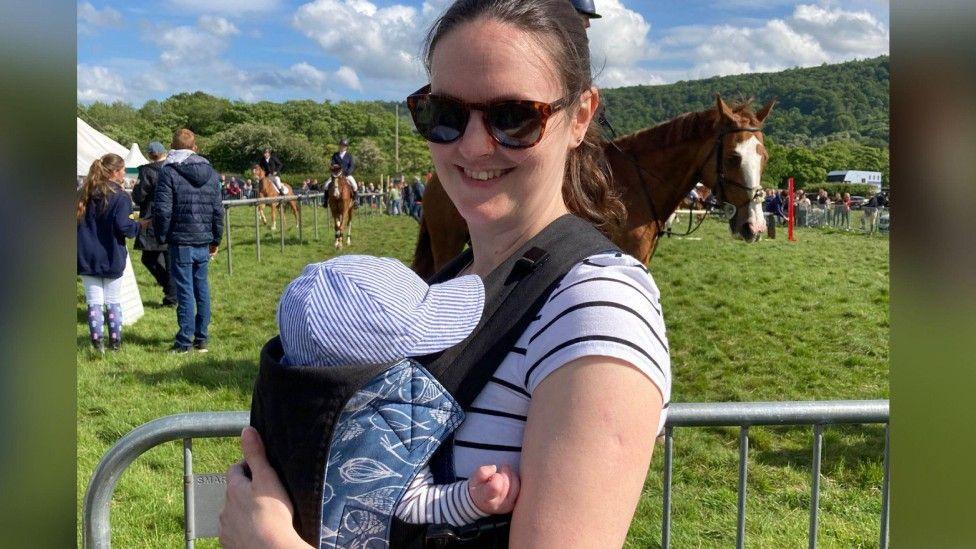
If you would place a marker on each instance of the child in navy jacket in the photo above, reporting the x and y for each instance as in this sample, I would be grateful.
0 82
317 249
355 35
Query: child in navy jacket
103 225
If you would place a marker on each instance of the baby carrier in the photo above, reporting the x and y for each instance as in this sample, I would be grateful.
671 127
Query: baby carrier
347 440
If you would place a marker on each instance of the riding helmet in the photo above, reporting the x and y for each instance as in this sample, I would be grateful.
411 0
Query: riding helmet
587 8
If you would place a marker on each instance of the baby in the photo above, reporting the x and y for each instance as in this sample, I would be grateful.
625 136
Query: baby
355 310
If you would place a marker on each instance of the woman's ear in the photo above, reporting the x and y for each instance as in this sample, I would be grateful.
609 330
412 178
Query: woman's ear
589 103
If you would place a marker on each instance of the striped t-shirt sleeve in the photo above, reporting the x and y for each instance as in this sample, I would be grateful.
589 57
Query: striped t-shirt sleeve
607 305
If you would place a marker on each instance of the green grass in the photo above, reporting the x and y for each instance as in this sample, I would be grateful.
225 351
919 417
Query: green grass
769 321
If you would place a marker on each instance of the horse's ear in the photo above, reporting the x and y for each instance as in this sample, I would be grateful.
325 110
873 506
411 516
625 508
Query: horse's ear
724 112
764 112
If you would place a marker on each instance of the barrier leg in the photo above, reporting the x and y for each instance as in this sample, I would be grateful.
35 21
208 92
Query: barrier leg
230 257
257 233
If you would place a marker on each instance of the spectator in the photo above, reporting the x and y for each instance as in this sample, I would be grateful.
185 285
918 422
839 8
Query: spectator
248 189
393 199
845 212
803 206
418 194
835 205
103 211
223 186
155 254
406 192
188 215
234 191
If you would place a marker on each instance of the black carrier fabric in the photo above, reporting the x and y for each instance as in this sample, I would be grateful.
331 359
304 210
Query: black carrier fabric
528 276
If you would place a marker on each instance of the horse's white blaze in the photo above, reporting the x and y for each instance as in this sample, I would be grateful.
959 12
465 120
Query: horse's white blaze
748 150
751 167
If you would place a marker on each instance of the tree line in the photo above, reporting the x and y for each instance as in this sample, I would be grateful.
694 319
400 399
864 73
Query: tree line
828 117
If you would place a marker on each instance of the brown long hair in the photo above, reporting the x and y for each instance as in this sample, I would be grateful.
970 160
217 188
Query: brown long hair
99 185
587 188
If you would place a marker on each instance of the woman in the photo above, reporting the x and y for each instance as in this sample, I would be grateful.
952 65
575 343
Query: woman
103 225
573 409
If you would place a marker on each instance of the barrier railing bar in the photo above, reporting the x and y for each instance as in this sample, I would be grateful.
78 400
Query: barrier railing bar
96 530
815 484
666 514
884 490
740 536
98 498
188 510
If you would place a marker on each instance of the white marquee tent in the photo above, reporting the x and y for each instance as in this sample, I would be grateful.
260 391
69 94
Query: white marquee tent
93 144
135 158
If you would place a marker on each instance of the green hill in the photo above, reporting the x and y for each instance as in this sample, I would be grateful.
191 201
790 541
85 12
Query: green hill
828 117
847 101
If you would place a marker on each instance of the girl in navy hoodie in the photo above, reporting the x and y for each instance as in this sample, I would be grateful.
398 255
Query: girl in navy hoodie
103 225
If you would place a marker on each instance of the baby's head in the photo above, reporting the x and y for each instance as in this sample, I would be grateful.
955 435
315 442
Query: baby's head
358 309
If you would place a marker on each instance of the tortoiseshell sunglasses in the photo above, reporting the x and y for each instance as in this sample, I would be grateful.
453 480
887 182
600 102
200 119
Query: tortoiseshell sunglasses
512 123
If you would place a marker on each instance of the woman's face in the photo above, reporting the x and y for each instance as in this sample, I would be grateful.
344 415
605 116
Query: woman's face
485 61
119 175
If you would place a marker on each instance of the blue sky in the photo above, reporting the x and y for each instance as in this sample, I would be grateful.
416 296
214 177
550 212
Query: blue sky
367 49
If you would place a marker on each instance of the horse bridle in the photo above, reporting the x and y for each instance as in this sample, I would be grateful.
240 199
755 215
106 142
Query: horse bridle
719 182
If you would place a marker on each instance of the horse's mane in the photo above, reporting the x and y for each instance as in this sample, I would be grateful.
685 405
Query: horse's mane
687 127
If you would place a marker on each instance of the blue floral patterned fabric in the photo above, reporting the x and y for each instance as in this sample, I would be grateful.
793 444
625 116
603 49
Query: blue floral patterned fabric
386 433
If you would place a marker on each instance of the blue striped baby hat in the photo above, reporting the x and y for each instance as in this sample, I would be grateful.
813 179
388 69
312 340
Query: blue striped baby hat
359 309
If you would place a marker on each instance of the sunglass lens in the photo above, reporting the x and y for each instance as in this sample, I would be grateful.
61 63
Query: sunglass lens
515 124
438 120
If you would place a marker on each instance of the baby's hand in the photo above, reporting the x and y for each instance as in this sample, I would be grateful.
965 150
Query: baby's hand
494 490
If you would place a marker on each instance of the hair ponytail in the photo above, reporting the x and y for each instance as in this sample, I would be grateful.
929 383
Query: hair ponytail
98 184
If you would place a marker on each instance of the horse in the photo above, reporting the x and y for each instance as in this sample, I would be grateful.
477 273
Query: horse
267 189
340 204
653 170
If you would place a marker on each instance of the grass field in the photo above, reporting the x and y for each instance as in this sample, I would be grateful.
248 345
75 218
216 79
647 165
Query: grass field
769 321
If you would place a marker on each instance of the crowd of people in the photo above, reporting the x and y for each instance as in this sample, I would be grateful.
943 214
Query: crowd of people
823 209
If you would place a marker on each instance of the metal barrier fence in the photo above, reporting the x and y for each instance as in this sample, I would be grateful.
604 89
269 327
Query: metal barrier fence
856 220
368 201
203 494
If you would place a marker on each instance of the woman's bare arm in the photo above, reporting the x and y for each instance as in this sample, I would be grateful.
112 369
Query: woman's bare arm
585 455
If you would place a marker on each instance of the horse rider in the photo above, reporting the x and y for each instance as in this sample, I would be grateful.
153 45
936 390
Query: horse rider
343 159
272 168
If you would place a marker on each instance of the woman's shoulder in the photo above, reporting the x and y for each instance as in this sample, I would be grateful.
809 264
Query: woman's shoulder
607 305
607 274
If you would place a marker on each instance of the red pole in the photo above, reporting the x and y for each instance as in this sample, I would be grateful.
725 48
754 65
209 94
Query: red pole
791 237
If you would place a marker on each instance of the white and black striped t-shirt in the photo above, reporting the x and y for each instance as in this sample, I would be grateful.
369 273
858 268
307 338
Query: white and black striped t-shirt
606 305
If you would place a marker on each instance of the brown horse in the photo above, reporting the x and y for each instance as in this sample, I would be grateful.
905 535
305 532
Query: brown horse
340 204
267 189
653 170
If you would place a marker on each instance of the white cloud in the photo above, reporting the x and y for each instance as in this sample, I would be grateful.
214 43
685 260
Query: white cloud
348 77
618 45
230 8
217 25
812 35
97 83
91 18
379 43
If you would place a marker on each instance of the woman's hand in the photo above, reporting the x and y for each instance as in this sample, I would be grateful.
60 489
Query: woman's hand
257 512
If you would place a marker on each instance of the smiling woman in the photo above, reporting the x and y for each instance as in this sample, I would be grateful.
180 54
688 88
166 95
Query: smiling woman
575 404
